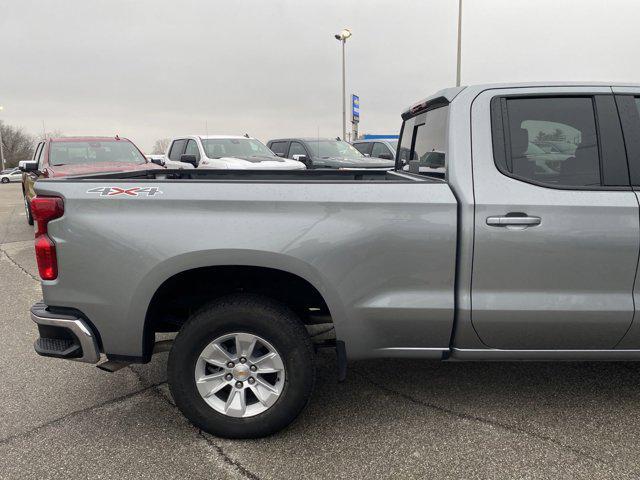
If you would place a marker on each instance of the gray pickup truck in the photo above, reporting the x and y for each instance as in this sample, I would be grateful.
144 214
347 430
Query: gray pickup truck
516 251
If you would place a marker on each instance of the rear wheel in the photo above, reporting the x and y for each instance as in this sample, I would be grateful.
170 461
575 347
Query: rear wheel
27 210
4 180
242 367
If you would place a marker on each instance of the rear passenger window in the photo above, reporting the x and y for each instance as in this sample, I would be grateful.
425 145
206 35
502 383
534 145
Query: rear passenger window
279 148
423 143
629 110
176 150
551 141
406 140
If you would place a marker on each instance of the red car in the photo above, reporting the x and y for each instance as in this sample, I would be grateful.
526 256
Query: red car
61 157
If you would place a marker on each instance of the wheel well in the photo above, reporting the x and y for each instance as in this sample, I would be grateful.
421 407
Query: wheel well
184 293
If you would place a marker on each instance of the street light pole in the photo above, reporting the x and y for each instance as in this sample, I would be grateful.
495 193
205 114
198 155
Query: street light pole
1 148
342 38
344 94
459 60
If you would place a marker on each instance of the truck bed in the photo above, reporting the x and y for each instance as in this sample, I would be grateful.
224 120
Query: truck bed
330 176
378 246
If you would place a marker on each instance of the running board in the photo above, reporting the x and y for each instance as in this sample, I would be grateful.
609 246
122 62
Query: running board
488 354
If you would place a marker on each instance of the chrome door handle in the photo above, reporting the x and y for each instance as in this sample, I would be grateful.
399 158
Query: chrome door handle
514 221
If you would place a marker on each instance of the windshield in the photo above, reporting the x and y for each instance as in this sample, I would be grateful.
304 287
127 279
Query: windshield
235 147
121 151
334 148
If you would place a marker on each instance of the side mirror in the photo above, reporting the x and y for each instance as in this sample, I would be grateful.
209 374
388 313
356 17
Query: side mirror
386 156
435 160
304 159
28 165
158 161
367 155
191 159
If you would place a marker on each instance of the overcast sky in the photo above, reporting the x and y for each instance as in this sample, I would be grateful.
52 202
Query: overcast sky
150 69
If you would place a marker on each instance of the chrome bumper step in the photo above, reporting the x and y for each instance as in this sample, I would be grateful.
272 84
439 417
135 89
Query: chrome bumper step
64 336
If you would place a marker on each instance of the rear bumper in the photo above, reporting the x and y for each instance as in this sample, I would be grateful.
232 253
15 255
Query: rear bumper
64 336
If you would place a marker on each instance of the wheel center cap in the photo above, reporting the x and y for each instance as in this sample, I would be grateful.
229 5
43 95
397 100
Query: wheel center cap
241 372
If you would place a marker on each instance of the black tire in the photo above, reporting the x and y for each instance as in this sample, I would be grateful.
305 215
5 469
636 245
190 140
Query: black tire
5 180
260 316
27 209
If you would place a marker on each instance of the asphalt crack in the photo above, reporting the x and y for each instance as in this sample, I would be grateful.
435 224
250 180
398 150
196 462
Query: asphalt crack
244 471
20 267
493 423
227 459
76 413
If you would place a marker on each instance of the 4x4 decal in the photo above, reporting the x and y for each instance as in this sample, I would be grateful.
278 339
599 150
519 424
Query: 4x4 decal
127 192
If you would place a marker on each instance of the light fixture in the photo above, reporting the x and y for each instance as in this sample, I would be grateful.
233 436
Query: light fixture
343 35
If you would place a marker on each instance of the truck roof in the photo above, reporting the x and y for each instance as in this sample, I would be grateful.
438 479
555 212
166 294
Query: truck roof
446 95
88 139
211 137
304 139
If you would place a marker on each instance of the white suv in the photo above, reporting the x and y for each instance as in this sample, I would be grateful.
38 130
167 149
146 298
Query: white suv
225 152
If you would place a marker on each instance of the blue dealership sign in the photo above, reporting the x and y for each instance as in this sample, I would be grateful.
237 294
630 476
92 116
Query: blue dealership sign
355 108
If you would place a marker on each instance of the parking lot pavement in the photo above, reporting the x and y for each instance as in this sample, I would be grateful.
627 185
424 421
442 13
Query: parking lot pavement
390 419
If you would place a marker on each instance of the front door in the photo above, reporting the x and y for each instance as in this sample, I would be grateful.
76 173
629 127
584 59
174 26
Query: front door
556 222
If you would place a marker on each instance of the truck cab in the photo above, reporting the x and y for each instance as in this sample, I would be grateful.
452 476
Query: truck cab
539 275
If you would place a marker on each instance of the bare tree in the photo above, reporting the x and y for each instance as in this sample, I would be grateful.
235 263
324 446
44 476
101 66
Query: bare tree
16 144
160 146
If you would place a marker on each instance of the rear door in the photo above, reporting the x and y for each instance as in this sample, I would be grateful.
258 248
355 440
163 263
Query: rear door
556 234
628 103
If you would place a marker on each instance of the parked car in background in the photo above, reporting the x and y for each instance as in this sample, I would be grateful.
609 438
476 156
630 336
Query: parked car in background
325 153
226 152
11 175
378 148
61 157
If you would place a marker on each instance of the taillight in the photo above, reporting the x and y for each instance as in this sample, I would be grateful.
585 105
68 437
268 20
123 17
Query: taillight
45 209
